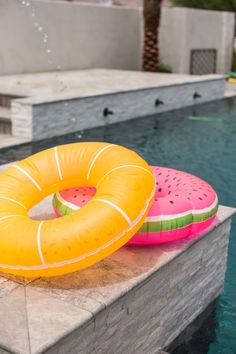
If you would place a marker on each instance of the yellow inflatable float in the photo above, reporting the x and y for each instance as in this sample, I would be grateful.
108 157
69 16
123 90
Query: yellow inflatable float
125 188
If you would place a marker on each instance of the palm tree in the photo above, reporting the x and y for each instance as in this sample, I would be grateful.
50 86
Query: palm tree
151 15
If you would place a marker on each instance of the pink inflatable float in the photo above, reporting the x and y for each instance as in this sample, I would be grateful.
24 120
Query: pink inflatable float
184 205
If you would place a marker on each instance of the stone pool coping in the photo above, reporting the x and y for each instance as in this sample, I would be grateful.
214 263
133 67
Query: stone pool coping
55 86
44 105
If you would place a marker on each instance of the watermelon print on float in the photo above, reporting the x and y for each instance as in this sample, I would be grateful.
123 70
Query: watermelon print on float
184 205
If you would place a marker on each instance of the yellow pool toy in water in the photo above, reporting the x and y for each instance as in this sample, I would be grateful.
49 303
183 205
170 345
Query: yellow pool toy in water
125 189
232 80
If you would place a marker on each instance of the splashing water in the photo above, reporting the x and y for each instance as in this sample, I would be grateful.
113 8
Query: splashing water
80 134
44 35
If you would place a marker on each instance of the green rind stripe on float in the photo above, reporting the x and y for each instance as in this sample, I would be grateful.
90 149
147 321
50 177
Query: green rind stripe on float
151 226
177 223
61 208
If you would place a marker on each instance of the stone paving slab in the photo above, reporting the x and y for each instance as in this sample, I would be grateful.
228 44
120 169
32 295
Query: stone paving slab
46 87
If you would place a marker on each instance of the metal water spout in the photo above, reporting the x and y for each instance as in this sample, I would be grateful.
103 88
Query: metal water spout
196 95
107 112
158 102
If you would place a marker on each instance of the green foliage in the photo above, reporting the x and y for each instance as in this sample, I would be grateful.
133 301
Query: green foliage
220 5
163 68
234 61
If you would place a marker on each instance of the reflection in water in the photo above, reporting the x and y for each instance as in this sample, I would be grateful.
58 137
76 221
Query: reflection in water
197 338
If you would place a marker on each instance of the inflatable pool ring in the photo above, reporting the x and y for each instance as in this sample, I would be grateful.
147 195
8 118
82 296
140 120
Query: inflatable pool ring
232 80
231 74
61 245
231 77
184 205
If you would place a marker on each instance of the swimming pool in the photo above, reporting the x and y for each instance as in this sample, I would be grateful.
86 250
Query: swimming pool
200 140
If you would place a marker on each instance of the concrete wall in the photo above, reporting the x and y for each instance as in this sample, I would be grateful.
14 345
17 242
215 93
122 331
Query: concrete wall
185 29
56 34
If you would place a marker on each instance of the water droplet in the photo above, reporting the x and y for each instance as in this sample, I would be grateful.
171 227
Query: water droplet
36 24
58 67
73 120
45 37
49 51
33 14
40 28
27 3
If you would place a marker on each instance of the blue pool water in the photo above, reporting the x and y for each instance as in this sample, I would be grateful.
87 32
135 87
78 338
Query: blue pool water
200 140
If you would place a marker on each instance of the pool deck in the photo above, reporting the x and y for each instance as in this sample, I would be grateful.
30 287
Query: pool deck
134 301
38 106
46 87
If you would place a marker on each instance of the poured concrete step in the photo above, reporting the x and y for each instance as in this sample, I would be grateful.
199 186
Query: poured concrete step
5 120
5 99
5 112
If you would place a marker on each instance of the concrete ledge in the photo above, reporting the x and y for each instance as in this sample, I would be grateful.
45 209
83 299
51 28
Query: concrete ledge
136 300
81 105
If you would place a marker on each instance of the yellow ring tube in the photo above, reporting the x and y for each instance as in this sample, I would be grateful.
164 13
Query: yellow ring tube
125 189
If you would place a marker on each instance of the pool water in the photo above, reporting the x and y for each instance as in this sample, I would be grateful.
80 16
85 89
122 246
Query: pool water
200 140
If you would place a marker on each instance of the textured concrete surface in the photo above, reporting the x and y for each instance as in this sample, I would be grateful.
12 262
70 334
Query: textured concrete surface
58 85
135 301
59 103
